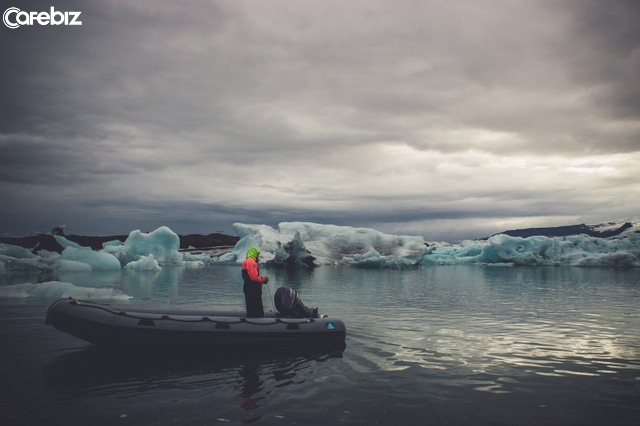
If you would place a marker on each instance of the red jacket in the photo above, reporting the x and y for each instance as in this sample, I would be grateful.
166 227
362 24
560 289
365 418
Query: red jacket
250 272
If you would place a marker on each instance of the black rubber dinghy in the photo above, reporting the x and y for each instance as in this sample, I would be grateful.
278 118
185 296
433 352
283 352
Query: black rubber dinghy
295 326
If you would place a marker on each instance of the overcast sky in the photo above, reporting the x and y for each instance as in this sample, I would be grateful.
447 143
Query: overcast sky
447 119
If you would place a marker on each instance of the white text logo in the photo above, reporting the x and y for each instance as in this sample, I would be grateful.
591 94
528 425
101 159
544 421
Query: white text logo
14 17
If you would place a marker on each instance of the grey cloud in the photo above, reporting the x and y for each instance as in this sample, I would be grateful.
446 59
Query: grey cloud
283 92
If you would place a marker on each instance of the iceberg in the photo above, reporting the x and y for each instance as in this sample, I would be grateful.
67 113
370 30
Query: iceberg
327 245
162 243
574 250
96 260
262 236
64 265
309 244
60 289
143 251
75 258
13 264
145 263
16 252
66 243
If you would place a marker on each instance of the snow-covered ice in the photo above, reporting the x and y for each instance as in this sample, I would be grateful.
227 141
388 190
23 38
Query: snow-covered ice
304 244
327 244
575 250
140 252
364 247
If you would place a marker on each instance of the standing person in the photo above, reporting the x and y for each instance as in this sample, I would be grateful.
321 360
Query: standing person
253 283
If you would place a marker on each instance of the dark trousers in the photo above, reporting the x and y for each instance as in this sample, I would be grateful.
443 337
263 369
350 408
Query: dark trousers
253 299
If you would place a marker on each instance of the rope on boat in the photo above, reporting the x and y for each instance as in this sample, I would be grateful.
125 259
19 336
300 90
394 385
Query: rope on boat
201 319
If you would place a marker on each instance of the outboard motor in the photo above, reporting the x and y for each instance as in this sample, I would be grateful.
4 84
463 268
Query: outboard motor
288 303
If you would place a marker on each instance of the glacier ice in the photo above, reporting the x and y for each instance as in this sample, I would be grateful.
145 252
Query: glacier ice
60 289
162 243
16 252
575 250
144 263
328 244
262 236
66 243
97 260
37 264
365 247
144 251
64 265
308 244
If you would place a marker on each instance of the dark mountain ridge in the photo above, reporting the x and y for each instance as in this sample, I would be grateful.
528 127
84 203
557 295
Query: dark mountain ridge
597 231
48 242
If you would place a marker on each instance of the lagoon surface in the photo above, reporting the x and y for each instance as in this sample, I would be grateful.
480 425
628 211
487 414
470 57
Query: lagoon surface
437 345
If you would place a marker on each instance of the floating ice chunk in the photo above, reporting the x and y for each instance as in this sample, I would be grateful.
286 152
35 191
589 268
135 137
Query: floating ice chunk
59 289
112 243
12 264
97 260
363 247
328 244
47 254
145 263
331 244
575 250
200 258
162 243
17 290
16 252
64 265
262 236
65 242
373 259
193 264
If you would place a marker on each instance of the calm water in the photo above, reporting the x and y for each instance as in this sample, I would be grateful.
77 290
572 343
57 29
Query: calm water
441 345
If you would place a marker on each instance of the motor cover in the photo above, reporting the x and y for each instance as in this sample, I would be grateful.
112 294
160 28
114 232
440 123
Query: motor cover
289 304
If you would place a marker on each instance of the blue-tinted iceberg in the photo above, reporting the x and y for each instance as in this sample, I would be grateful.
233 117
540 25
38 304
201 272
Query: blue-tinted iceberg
297 242
140 252
16 252
575 250
162 243
74 256
144 263
328 245
304 244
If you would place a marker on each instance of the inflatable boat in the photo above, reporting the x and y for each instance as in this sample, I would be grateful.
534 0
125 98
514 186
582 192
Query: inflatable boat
293 326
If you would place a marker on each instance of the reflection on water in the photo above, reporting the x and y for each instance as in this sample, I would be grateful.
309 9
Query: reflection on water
542 321
439 345
244 380
152 285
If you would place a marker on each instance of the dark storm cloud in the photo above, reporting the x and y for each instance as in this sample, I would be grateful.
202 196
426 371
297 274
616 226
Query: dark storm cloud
609 57
363 112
